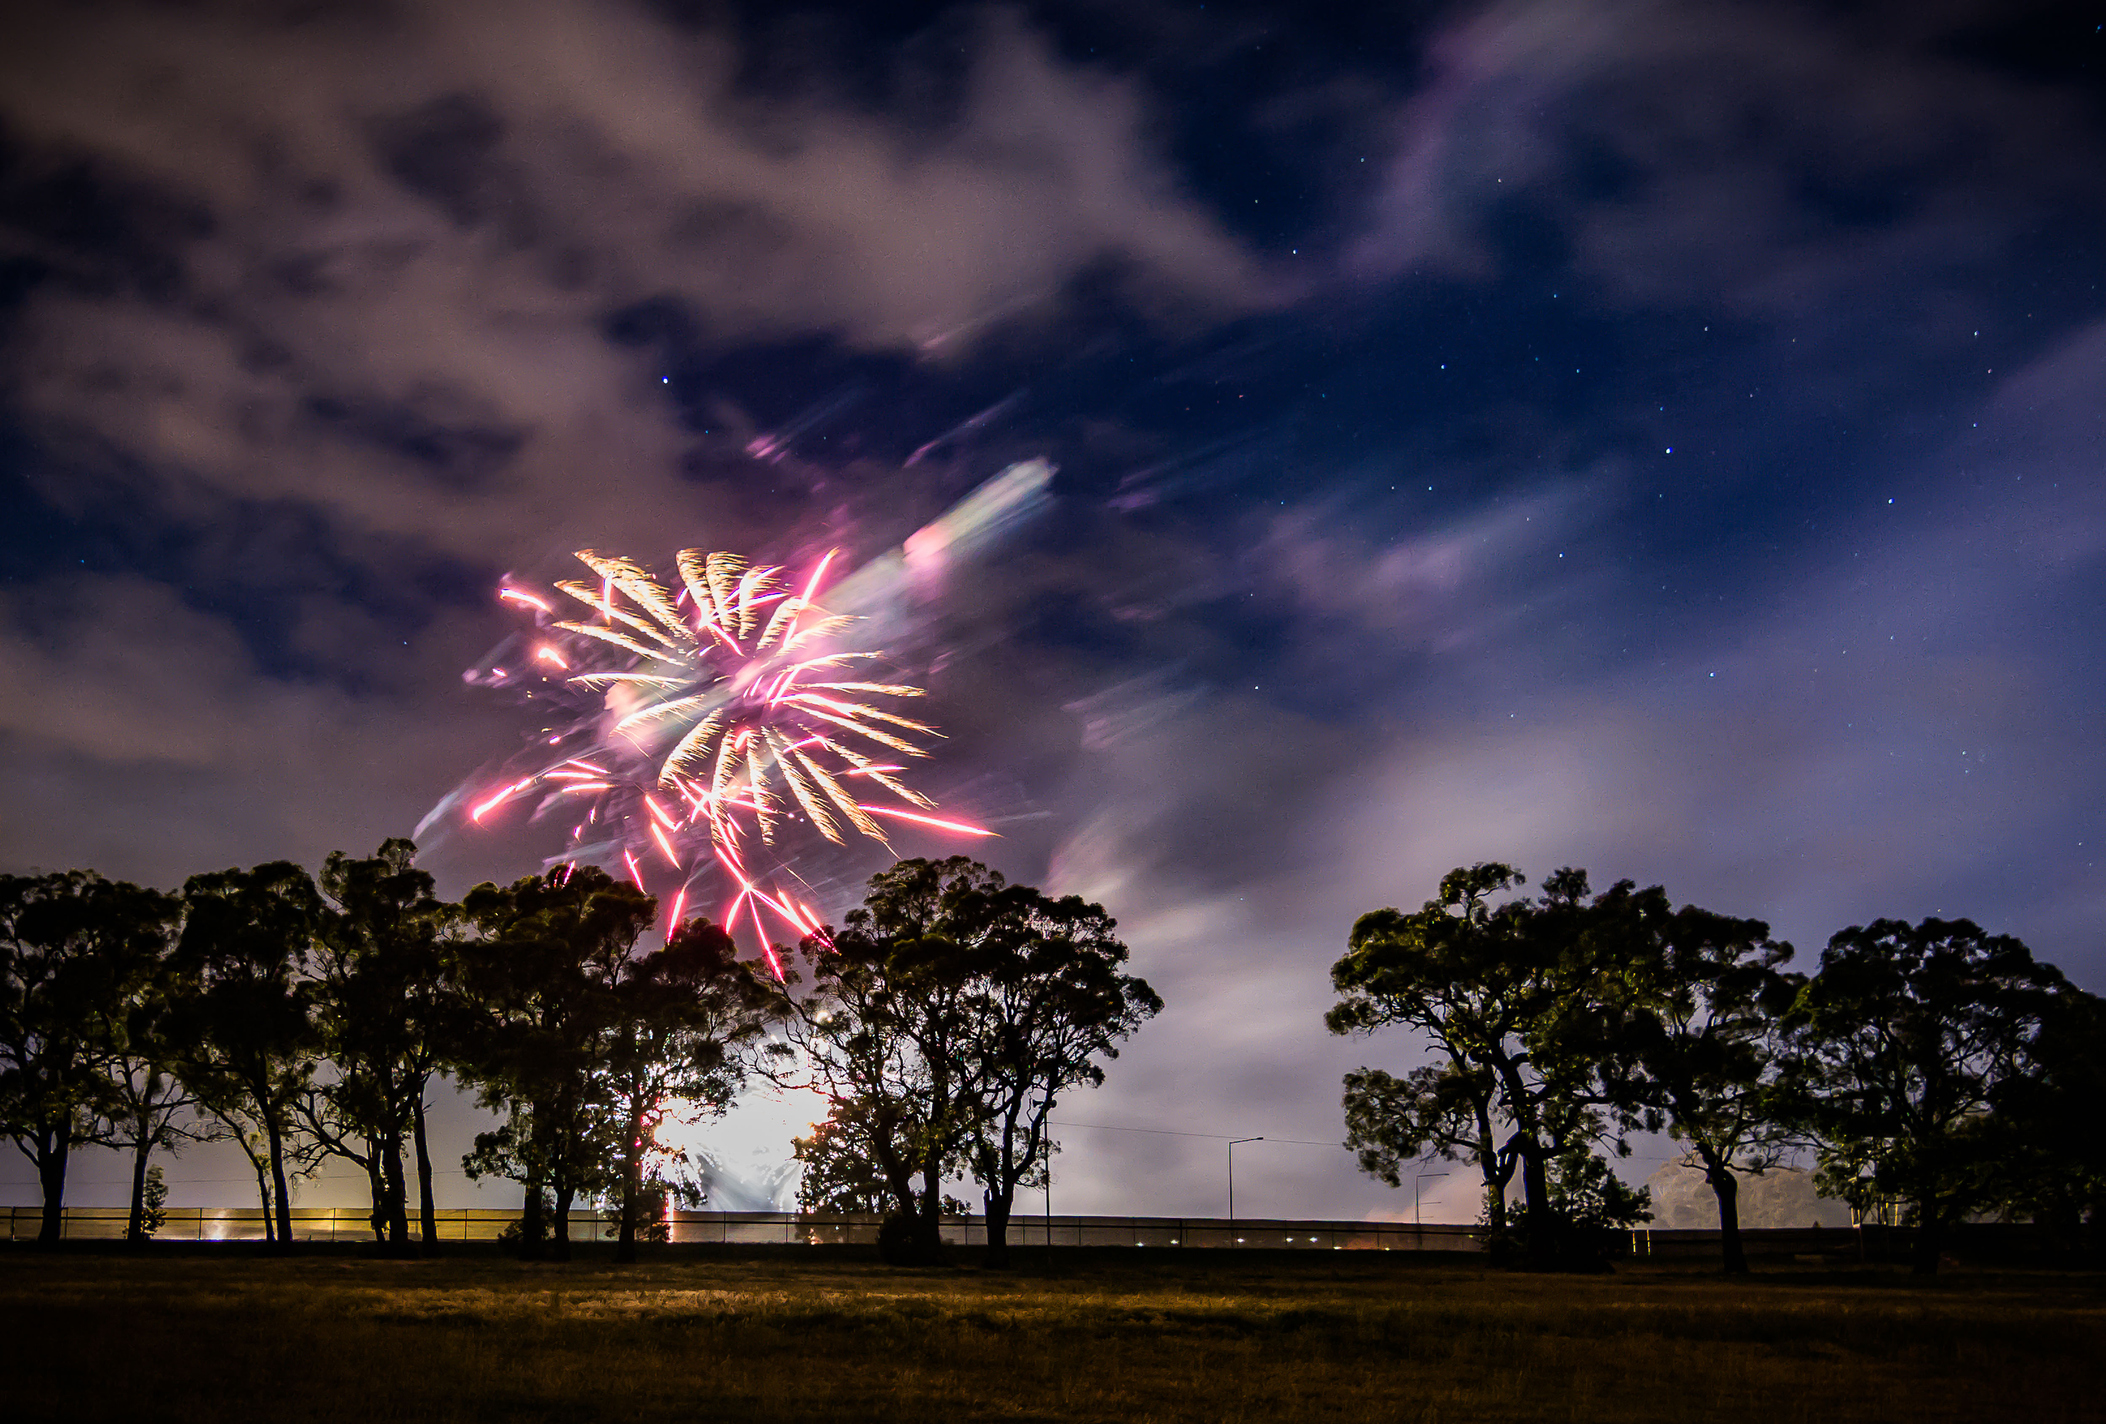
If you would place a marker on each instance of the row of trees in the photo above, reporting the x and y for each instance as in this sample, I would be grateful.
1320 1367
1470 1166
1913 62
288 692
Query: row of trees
1928 1065
306 1019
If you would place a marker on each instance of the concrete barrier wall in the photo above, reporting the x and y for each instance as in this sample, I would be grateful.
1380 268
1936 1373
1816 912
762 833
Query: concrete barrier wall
351 1224
753 1228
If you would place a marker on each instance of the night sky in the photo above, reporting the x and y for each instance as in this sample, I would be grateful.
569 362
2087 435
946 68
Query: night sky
1664 438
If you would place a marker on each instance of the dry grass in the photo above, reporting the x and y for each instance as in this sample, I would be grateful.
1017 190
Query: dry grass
807 1335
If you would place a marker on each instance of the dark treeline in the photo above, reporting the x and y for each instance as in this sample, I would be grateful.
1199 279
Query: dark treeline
306 1019
1933 1069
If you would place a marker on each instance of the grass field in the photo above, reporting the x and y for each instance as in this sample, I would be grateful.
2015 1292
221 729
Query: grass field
811 1335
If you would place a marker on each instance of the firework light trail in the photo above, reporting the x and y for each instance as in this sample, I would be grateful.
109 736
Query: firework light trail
718 710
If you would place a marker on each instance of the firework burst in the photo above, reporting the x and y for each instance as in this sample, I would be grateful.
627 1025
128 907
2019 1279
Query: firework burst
721 711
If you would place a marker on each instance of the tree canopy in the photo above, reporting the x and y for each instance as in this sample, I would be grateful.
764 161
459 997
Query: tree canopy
946 1019
1509 990
1903 1044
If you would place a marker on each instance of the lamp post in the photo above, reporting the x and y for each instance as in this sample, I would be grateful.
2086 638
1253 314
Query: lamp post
1232 1172
1415 1194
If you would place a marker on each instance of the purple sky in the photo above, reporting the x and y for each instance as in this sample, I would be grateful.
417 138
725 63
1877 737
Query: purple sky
1664 438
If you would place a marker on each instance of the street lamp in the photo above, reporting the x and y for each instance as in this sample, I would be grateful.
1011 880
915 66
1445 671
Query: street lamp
1415 1194
1232 1172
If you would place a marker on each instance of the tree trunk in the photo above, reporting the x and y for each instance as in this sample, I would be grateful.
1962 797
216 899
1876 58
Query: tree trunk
928 1222
1930 1239
632 1190
1542 1243
533 1226
278 1187
398 1196
1495 1200
1542 1231
1495 1177
52 1150
998 1208
1726 1187
135 1225
376 1196
427 1208
263 1192
559 1227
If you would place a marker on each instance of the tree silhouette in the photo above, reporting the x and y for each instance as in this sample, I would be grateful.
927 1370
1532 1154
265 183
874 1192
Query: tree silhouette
1510 993
1446 1110
536 976
1700 996
1902 1044
950 1015
889 1030
149 1108
1051 1005
2049 1126
249 1036
73 947
385 1005
682 1022
841 1170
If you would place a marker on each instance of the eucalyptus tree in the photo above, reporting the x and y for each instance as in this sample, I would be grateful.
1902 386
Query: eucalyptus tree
536 977
1512 993
387 1010
149 1108
1701 996
840 1168
249 1042
72 947
2050 1137
889 1031
1052 1004
1447 1110
1459 971
1903 1044
684 1024
949 1016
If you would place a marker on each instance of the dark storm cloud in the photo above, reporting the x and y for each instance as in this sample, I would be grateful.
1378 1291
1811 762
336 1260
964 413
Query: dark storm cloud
1477 437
